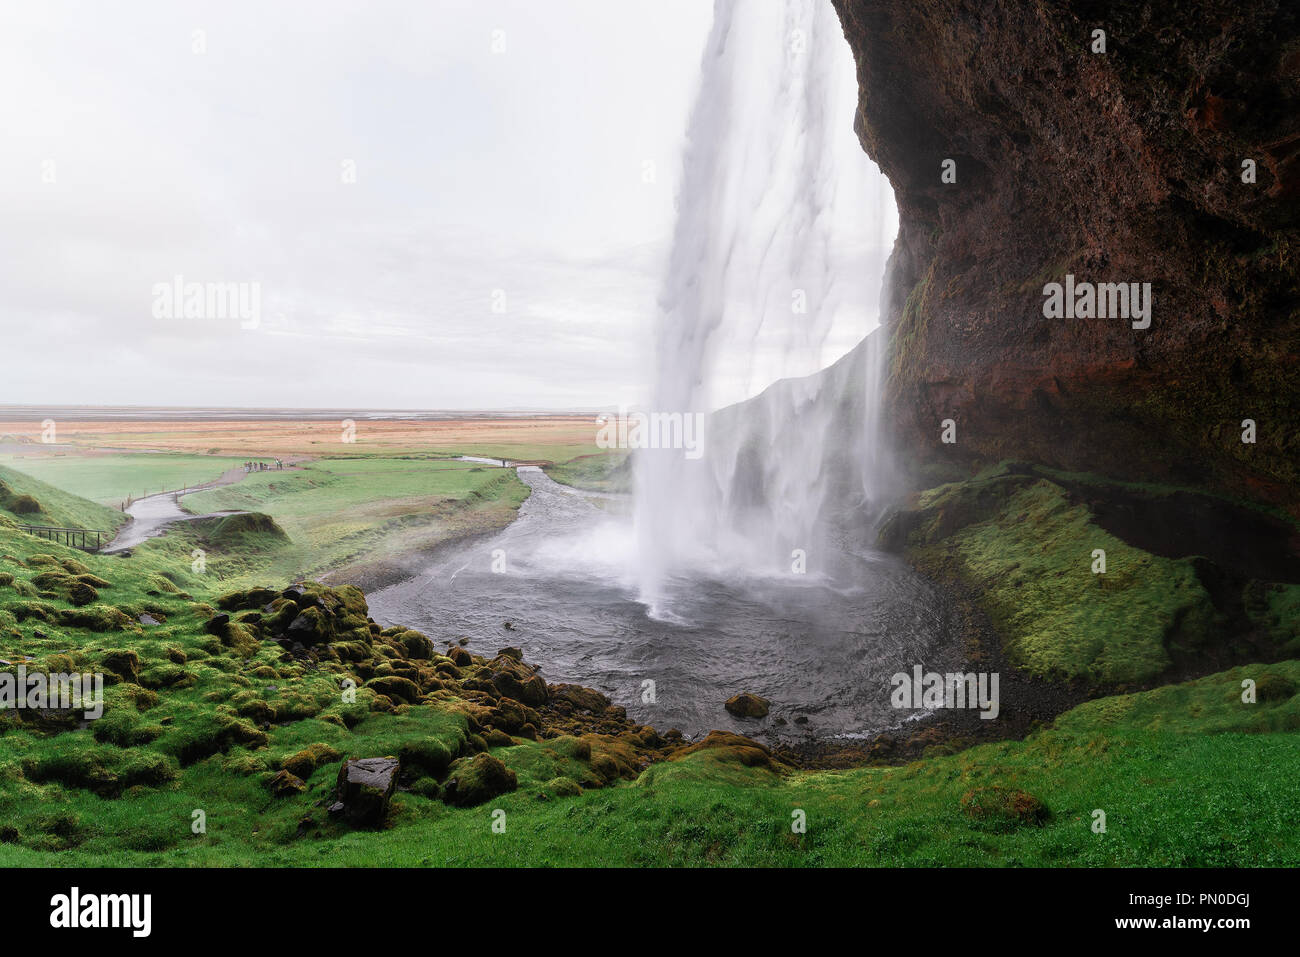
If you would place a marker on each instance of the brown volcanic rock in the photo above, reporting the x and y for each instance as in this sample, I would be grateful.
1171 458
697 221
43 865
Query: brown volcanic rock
1122 166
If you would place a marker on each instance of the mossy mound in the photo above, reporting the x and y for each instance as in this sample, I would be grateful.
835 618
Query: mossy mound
235 531
24 505
476 780
1274 687
105 772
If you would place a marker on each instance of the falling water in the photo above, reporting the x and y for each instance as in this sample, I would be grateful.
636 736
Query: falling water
779 210
775 272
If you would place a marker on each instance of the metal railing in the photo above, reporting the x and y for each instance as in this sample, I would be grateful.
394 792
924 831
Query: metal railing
86 539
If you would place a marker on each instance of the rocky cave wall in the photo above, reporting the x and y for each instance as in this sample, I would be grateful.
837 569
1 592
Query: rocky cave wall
1122 166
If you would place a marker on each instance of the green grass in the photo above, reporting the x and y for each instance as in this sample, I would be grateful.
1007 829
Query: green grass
1033 564
58 507
109 479
343 511
1187 776
602 472
1025 546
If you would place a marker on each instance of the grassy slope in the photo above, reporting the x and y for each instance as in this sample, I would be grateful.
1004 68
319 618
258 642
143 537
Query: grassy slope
338 512
109 479
602 472
1027 550
58 507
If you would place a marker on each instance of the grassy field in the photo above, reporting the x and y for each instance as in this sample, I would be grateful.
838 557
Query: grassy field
370 499
345 512
545 437
54 505
109 478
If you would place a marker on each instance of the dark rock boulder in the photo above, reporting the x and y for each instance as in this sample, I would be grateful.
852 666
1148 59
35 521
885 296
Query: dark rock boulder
365 789
310 627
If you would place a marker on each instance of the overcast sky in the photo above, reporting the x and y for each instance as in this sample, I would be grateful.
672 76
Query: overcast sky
502 245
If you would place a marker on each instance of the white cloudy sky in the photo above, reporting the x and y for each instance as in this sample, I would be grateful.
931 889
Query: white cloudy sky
130 158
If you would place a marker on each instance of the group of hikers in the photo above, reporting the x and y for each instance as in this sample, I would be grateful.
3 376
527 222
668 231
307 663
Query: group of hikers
264 466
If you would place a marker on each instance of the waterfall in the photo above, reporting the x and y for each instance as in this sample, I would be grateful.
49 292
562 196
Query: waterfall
775 273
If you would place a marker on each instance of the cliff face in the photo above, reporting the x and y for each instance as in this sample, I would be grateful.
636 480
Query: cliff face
1122 166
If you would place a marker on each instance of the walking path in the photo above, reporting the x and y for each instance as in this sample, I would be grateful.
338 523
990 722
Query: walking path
151 515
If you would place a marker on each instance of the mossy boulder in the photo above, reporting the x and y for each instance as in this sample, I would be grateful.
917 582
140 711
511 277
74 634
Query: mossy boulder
726 747
248 528
476 780
563 787
417 645
54 580
530 690
286 784
746 705
305 762
254 598
431 755
81 594
577 698
395 687
311 627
